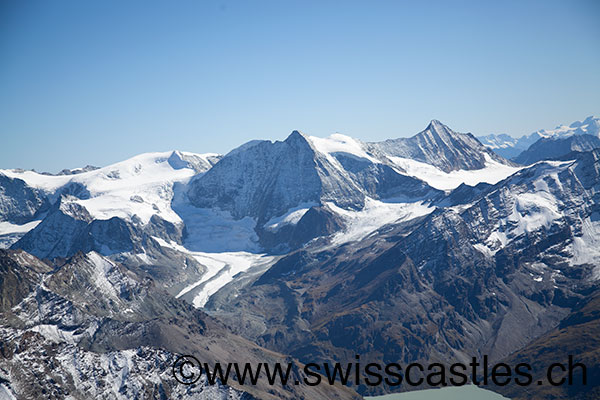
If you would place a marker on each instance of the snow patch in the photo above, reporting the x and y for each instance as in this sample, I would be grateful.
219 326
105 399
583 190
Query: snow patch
7 228
497 240
532 211
291 217
586 248
482 248
6 393
102 268
54 334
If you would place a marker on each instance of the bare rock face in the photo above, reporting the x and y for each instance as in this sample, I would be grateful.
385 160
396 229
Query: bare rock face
19 274
69 228
20 203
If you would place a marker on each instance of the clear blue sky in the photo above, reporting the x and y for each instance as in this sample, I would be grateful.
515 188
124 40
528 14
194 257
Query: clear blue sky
94 82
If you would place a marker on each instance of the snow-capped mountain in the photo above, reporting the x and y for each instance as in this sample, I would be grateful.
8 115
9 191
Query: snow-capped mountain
116 210
441 147
510 147
98 209
503 144
134 189
21 208
340 179
556 147
278 184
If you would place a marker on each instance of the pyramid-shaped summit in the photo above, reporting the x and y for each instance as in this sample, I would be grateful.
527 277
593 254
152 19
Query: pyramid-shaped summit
440 146
264 179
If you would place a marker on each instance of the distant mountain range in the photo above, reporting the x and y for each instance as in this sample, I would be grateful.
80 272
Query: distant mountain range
510 147
429 248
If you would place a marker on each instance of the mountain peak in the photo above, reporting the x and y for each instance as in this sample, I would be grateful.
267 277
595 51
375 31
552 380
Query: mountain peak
438 127
295 135
440 146
587 121
176 160
298 140
438 131
435 123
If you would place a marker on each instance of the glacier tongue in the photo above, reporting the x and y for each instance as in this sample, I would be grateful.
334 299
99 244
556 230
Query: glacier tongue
221 269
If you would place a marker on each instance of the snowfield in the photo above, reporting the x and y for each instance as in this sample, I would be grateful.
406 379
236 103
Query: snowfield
493 173
136 188
586 249
338 143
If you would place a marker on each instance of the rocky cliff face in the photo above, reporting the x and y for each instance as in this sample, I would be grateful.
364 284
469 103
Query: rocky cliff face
19 203
69 228
264 179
